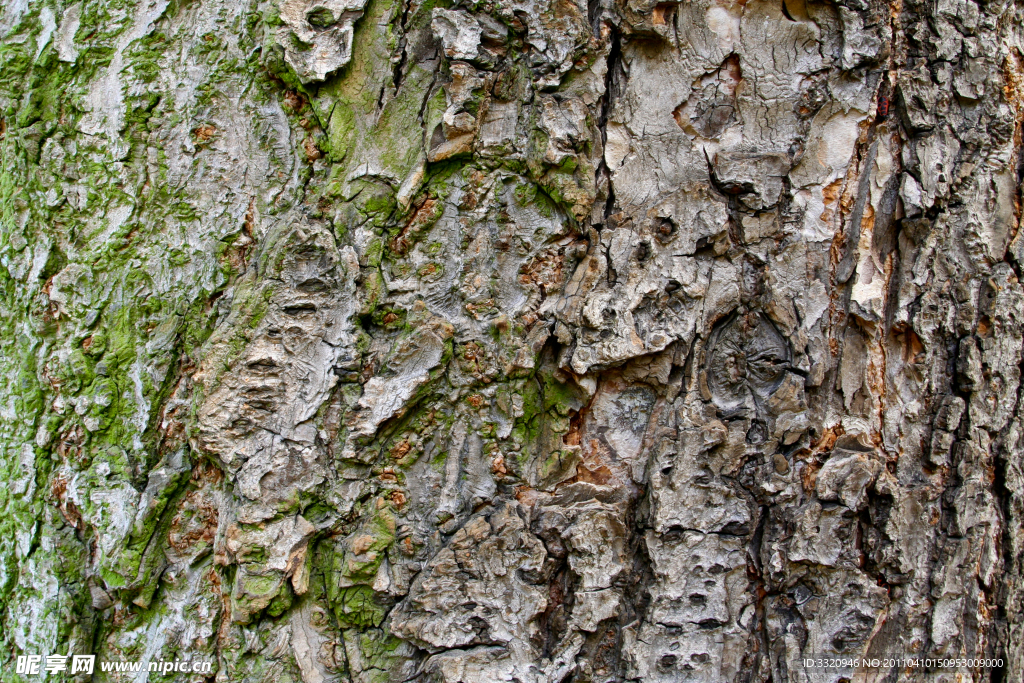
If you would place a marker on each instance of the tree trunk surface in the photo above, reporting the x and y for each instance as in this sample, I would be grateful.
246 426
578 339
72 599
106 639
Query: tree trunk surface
517 341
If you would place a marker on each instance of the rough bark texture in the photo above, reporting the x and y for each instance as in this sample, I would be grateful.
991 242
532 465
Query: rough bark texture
519 340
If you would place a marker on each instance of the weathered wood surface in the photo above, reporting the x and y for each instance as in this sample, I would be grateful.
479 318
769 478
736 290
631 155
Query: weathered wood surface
530 340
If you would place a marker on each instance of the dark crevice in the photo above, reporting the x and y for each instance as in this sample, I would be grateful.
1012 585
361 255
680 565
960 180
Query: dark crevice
635 584
398 73
785 12
553 622
612 274
1000 593
612 82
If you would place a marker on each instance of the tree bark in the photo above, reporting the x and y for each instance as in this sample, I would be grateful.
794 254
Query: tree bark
536 341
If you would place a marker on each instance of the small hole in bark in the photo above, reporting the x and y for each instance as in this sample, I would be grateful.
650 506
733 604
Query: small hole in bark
757 434
643 252
321 17
666 230
667 662
312 285
703 244
299 309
